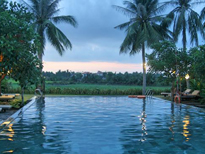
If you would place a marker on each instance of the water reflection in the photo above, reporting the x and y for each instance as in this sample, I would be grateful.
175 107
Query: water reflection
171 128
114 126
143 121
186 132
134 136
183 123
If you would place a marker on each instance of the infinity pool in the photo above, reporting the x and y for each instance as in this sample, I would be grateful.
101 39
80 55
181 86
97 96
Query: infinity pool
105 125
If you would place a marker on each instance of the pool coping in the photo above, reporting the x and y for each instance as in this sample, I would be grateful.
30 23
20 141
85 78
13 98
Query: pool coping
14 116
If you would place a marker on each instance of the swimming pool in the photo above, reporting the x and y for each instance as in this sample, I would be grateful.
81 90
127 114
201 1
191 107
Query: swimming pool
105 125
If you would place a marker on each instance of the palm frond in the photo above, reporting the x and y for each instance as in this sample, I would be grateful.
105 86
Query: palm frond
197 2
33 7
123 26
195 25
179 23
144 26
67 19
53 8
57 38
202 14
164 5
125 11
45 11
40 31
130 5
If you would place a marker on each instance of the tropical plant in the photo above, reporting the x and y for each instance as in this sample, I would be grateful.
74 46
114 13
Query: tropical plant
168 61
197 69
143 28
185 20
17 37
45 19
27 72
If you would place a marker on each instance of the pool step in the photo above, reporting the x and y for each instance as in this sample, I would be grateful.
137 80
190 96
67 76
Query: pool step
0 109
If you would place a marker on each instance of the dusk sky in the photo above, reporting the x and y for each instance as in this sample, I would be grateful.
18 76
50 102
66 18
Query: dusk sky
96 43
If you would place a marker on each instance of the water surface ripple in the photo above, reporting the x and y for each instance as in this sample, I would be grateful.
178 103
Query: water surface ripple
105 125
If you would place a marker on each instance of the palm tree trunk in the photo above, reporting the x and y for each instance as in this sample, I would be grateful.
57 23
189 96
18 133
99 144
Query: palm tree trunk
22 96
2 77
184 49
184 35
144 69
41 85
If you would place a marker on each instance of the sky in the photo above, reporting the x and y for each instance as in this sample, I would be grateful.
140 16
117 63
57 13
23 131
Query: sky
96 43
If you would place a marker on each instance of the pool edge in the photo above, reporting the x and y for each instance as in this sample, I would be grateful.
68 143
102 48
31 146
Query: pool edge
14 116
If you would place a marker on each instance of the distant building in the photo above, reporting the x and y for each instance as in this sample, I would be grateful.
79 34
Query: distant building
84 74
99 73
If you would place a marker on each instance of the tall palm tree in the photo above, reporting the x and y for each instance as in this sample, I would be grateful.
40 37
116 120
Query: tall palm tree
185 20
143 28
45 19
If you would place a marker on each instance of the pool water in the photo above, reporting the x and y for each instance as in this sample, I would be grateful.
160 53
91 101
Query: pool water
105 125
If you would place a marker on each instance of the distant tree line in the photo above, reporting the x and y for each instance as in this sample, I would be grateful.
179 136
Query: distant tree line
135 78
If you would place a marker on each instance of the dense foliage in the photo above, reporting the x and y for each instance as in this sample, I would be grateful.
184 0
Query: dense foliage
67 77
18 45
178 64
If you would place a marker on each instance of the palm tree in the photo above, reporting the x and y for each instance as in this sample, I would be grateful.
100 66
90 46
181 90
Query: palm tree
185 20
44 18
143 28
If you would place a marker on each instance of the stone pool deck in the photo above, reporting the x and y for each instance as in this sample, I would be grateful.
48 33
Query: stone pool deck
7 114
187 102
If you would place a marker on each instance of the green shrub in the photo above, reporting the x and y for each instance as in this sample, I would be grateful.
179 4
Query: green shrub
82 91
16 103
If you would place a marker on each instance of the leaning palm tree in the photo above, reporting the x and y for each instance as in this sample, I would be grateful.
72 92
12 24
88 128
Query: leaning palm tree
185 20
44 21
143 28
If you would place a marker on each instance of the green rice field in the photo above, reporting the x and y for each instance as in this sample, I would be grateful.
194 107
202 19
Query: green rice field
90 89
97 86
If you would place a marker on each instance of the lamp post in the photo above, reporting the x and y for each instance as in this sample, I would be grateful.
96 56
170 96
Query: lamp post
187 80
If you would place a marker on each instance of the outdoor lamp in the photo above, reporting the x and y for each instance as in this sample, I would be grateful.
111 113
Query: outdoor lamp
1 57
187 76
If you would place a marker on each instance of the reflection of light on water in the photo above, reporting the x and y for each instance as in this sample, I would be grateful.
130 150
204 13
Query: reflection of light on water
172 129
43 130
143 123
11 132
10 151
185 128
8 132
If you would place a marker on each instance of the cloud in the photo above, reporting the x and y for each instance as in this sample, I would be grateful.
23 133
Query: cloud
95 38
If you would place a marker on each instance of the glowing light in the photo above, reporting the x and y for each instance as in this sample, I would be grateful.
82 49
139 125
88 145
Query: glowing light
187 76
